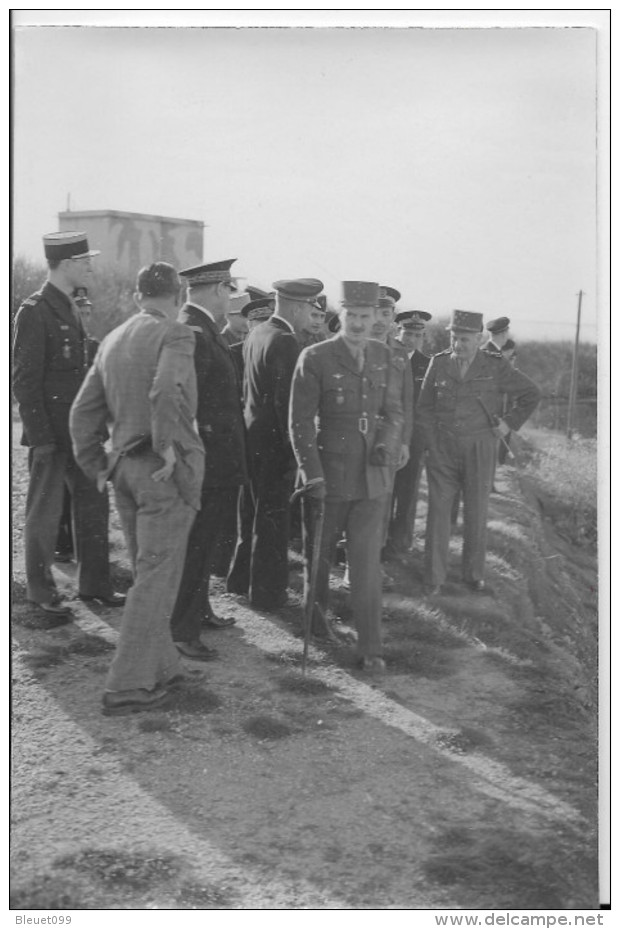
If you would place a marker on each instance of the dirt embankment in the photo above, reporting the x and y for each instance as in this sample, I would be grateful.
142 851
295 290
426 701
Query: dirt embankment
465 777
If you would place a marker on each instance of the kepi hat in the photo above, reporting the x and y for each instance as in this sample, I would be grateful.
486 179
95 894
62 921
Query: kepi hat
61 245
466 321
360 293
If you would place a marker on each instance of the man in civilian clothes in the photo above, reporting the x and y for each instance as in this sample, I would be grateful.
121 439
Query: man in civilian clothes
51 358
412 325
220 426
459 411
142 387
346 424
499 330
270 354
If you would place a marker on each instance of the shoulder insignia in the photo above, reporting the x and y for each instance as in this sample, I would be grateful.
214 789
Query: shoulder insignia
31 301
491 353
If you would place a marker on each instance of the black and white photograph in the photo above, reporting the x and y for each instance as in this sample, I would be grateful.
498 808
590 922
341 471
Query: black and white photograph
309 404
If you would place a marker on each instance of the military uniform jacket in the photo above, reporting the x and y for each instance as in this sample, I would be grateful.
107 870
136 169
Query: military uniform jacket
52 354
449 404
336 414
219 415
401 371
419 365
269 354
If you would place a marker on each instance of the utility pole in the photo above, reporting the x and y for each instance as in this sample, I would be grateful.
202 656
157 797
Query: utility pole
572 394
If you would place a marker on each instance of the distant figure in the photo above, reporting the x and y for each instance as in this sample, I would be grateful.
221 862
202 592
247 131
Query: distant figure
412 328
509 351
51 358
499 330
142 387
459 411
236 328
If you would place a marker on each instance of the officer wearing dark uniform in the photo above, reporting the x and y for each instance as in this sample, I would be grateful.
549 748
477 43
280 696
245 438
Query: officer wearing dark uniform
51 358
220 426
500 331
270 354
412 324
346 421
236 328
400 373
459 411
240 551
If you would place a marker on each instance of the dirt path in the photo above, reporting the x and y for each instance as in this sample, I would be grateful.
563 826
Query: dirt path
463 778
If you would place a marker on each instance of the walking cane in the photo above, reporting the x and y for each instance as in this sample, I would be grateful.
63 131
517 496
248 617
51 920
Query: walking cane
316 529
494 420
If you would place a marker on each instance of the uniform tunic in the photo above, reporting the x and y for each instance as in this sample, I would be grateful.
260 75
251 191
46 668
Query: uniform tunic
407 481
51 358
338 415
220 425
461 449
270 353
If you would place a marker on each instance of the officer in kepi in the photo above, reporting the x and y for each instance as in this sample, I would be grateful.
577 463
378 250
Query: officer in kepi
459 411
51 359
412 329
346 423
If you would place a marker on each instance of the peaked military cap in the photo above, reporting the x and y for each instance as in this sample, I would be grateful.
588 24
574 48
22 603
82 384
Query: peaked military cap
237 302
61 245
301 290
256 293
412 319
258 309
360 293
214 273
388 293
466 321
321 303
501 324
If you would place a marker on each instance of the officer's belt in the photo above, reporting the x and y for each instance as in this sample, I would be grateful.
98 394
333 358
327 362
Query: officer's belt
348 422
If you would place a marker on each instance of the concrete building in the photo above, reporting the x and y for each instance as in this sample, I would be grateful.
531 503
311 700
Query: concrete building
131 240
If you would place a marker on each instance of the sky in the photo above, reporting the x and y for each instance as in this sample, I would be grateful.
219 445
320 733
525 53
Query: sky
457 165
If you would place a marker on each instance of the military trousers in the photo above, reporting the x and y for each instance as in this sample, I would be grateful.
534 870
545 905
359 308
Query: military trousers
238 580
405 498
156 523
272 487
44 505
192 603
456 464
363 522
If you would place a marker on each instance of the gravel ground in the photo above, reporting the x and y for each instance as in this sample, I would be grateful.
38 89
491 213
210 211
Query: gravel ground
465 777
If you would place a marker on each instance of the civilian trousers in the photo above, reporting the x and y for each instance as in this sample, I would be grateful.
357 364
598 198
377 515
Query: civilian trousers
156 522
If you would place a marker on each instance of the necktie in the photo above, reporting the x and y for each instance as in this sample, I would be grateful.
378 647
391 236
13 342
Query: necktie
360 359
463 366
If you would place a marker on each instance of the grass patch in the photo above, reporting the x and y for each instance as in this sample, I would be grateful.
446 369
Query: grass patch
155 724
419 658
195 701
266 727
90 646
51 892
297 683
467 739
194 896
47 657
565 473
117 869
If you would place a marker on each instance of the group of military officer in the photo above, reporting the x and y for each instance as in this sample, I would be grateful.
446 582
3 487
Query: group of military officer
208 414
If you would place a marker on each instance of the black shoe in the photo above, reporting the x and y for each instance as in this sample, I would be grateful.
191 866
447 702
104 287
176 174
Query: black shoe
53 607
63 557
196 651
112 599
217 622
372 665
121 703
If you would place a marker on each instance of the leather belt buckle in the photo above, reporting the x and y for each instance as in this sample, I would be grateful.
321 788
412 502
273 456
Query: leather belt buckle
363 424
